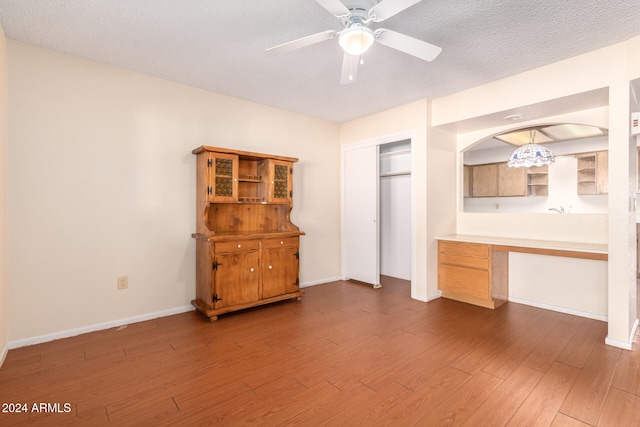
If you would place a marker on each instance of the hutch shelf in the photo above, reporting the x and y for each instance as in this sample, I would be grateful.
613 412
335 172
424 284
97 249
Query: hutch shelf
247 248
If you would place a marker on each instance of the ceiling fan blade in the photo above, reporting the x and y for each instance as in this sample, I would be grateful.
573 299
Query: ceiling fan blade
387 8
349 68
302 42
335 7
406 44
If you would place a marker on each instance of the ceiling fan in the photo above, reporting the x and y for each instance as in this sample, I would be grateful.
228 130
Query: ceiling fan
357 37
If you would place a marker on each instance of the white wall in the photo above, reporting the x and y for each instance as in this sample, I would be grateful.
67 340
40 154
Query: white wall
395 226
395 209
540 280
4 337
102 184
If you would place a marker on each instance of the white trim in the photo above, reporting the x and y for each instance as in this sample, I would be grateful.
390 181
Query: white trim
559 309
621 344
320 282
383 139
435 296
98 327
3 355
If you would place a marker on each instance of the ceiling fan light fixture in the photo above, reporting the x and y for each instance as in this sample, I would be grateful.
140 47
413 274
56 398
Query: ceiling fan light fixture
356 39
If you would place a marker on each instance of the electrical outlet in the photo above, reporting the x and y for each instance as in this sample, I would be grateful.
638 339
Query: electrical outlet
123 282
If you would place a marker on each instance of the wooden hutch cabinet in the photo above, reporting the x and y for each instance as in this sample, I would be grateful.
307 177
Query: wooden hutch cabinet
246 245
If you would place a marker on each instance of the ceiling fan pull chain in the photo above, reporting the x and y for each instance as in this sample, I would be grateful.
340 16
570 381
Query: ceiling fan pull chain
350 67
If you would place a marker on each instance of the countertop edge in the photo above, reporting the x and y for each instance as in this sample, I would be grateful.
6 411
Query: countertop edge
529 243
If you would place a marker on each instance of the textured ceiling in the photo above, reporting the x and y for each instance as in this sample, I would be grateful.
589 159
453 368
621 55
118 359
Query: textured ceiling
219 45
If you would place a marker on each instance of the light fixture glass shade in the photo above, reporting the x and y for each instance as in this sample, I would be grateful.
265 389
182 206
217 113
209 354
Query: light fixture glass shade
531 154
356 39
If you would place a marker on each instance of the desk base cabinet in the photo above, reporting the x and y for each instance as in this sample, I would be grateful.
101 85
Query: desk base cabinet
472 273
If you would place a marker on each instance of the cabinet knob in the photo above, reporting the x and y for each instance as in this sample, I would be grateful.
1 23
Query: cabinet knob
282 242
270 267
251 269
239 245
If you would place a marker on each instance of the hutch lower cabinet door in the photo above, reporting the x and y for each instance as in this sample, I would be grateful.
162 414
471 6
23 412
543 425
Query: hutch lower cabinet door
236 275
280 266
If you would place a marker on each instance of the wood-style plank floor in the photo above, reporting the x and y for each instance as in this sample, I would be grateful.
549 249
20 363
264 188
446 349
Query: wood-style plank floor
345 355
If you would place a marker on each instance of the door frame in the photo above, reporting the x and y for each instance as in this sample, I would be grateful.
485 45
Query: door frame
381 140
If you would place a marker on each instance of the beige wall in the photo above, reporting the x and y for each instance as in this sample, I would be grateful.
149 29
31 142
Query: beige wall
102 184
3 198
101 181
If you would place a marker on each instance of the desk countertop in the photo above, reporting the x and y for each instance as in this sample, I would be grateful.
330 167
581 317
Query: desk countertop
529 243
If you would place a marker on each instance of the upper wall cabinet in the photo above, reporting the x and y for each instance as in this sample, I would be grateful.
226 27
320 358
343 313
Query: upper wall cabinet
484 182
499 180
593 173
511 181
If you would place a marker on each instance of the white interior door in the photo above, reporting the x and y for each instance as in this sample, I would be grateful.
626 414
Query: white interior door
361 257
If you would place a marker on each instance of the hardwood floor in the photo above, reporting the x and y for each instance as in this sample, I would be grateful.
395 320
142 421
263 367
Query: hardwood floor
345 355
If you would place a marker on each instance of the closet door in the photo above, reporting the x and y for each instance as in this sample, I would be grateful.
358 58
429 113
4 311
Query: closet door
361 247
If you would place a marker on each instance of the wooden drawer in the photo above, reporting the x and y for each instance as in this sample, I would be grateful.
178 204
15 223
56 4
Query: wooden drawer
464 249
463 280
464 261
237 246
286 242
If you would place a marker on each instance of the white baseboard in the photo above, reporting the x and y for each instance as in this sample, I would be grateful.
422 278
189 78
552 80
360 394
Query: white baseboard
621 344
437 295
566 310
320 282
115 323
3 355
97 327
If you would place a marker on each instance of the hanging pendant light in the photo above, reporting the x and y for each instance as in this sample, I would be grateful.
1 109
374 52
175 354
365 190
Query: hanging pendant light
531 154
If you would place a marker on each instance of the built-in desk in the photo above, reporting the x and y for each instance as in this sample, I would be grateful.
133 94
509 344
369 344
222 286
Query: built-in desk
475 269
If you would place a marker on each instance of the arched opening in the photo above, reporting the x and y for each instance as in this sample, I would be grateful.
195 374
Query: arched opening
575 183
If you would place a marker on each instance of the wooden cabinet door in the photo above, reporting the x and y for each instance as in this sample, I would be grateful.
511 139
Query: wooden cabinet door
236 278
511 181
485 180
223 177
602 172
467 172
280 266
280 181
